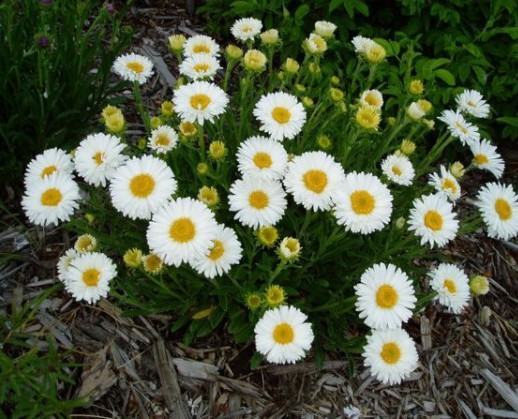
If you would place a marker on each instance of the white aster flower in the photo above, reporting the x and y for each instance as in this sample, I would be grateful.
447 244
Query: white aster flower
362 44
98 157
257 202
498 205
133 68
391 355
445 183
486 157
200 101
283 336
472 103
315 44
313 178
200 44
262 157
89 276
246 29
281 115
451 285
226 251
200 66
459 128
386 297
415 111
64 263
372 98
141 186
51 199
325 29
51 161
163 139
184 230
432 218
398 168
363 204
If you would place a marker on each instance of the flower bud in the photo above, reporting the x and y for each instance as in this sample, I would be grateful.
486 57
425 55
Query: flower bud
416 87
132 258
155 122
307 102
457 169
375 53
254 60
407 147
291 66
336 94
275 295
324 142
202 168
209 196
233 52
267 235
479 285
253 300
217 150
167 108
85 243
153 263
289 249
400 223
335 80
325 29
176 43
270 37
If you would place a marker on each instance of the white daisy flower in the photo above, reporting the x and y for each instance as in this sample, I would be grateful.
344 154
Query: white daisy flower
315 44
200 44
486 157
398 168
361 44
98 157
200 66
372 98
391 355
184 230
283 336
89 276
498 205
163 139
51 161
133 67
262 157
472 102
313 178
199 101
445 183
257 202
64 263
141 186
246 29
226 251
451 285
281 115
363 204
325 29
459 127
386 297
432 218
51 199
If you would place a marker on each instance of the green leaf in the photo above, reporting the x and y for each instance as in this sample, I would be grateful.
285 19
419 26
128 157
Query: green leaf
256 360
335 4
509 120
445 76
301 12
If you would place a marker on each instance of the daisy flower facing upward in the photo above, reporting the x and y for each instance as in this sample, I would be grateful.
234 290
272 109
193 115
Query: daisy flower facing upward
451 285
141 186
200 44
134 68
313 178
386 297
398 168
225 252
391 355
246 29
445 183
498 205
432 218
200 66
163 139
51 199
363 204
184 230
283 336
486 157
200 101
257 202
262 157
98 157
459 128
472 103
372 98
51 161
281 115
89 276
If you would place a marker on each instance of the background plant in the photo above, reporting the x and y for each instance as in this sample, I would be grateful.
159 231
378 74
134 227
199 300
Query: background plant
55 61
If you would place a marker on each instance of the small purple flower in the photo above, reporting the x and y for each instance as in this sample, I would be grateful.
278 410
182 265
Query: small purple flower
42 41
110 7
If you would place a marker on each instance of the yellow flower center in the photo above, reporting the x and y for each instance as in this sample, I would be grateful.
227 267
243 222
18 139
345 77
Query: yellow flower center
262 160
503 209
258 200
449 284
281 114
292 245
433 220
152 263
386 296
51 197
362 202
91 277
390 353
162 140
98 158
461 127
246 29
368 117
182 230
142 185
200 101
396 170
470 103
315 180
201 49
481 159
217 250
449 184
188 128
47 171
372 100
283 334
201 67
135 66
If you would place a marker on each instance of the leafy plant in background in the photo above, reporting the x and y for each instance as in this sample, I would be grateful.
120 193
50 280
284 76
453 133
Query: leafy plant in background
473 43
55 60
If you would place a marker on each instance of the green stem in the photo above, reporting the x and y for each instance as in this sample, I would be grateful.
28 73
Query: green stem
276 272
140 107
